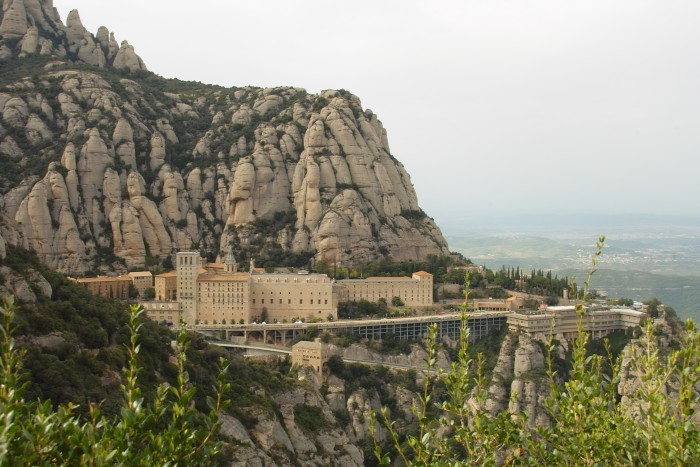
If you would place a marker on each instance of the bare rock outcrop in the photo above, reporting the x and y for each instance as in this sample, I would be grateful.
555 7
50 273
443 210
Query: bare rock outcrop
126 58
530 384
359 405
340 194
14 20
247 453
277 439
30 42
415 359
144 173
38 26
666 336
150 219
23 285
125 148
502 376
519 381
81 42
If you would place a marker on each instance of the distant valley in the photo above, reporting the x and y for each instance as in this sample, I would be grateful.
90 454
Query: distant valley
639 261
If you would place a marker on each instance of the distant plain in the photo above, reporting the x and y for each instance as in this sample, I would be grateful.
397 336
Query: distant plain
644 256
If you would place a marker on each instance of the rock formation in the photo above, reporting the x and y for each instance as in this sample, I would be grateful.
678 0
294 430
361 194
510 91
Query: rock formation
126 58
416 358
23 285
519 382
34 27
108 173
343 416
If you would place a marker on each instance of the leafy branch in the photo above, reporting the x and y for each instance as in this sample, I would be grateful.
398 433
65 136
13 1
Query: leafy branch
165 432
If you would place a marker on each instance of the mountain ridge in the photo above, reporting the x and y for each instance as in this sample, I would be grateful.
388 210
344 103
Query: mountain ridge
120 168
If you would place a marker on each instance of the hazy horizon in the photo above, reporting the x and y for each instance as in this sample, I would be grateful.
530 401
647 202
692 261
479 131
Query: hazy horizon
544 222
493 107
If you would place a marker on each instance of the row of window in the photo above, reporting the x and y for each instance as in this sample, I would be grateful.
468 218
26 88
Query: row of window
222 300
221 294
288 292
271 301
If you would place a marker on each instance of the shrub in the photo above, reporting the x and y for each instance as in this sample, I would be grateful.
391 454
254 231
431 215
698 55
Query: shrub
342 416
589 425
162 433
309 419
149 293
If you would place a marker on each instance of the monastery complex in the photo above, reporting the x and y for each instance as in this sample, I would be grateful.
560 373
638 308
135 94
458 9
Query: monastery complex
119 286
218 293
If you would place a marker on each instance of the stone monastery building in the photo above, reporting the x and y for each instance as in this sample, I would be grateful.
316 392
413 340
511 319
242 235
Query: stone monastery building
215 293
117 286
413 291
219 294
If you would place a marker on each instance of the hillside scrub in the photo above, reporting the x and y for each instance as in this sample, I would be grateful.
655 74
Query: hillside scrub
168 431
76 343
656 425
655 422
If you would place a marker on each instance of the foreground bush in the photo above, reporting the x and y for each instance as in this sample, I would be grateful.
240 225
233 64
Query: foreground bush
657 424
168 432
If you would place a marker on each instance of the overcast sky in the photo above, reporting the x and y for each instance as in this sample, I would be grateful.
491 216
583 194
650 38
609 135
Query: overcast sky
493 106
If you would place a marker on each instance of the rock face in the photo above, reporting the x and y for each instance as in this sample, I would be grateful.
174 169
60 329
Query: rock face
25 285
103 172
416 358
666 336
520 383
277 439
126 58
341 425
30 27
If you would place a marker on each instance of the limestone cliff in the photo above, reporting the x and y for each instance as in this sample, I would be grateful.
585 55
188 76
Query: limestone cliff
339 431
24 284
119 170
416 358
519 382
668 335
34 27
278 439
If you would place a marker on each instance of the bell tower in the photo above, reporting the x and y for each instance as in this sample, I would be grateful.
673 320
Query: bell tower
187 266
230 265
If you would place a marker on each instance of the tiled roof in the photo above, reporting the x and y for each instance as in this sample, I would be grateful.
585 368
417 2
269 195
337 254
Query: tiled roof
140 274
402 278
308 345
168 274
234 277
104 279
